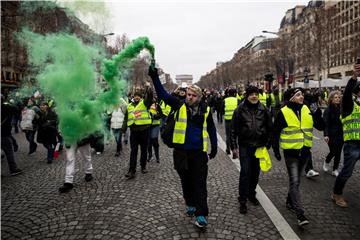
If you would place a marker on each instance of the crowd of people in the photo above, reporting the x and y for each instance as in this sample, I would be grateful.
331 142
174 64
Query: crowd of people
253 120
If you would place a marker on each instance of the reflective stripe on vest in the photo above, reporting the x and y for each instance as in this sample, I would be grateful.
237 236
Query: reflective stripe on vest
138 115
351 124
297 134
180 127
230 106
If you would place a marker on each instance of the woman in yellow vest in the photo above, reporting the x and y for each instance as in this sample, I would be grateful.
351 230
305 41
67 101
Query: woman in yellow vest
293 128
351 128
193 126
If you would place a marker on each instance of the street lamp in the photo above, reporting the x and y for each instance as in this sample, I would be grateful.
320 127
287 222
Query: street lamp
108 34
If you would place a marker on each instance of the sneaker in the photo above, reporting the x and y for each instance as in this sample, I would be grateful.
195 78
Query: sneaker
66 188
49 161
98 153
88 177
158 160
16 172
302 220
227 151
143 171
335 173
326 166
254 201
190 211
130 175
312 173
243 208
201 221
339 200
234 156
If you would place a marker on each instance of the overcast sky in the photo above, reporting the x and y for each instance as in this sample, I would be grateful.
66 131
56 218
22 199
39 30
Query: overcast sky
191 36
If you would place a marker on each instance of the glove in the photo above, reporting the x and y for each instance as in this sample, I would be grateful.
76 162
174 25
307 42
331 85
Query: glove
213 152
153 72
277 155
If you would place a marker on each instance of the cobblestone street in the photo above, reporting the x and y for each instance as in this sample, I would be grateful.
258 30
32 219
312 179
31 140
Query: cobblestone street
151 205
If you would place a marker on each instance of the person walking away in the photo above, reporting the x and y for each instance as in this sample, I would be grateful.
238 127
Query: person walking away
192 128
83 148
293 128
47 131
7 112
250 129
229 105
333 133
351 127
28 117
138 119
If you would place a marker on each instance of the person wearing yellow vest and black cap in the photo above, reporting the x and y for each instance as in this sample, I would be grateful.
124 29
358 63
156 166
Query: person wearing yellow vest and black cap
229 104
293 128
250 129
193 126
138 119
351 127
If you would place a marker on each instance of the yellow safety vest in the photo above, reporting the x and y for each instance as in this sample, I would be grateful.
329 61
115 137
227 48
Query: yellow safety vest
230 106
262 98
273 99
138 114
166 109
180 127
351 124
240 97
153 112
297 134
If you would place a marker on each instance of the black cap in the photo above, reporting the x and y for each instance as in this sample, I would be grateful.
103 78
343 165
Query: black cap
251 89
291 92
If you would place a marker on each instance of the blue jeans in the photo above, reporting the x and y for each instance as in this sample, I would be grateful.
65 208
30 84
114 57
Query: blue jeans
50 151
117 135
295 166
351 156
249 173
30 136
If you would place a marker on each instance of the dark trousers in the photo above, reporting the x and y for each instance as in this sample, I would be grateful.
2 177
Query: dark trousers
138 138
249 173
193 170
351 156
219 117
30 136
335 151
50 150
228 134
7 147
309 164
295 166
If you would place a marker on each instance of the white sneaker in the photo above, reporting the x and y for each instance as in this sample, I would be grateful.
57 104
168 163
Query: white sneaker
312 173
335 173
326 166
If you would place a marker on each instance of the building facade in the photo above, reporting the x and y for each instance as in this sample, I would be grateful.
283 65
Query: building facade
184 80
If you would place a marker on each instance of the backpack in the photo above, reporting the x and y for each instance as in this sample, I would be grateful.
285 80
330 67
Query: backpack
167 130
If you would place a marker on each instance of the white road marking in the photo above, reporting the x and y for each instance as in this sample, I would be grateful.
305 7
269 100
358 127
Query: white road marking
275 216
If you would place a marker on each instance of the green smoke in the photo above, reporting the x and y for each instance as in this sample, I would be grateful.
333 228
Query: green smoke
69 76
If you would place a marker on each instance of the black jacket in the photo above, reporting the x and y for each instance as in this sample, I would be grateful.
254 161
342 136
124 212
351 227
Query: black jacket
251 125
333 126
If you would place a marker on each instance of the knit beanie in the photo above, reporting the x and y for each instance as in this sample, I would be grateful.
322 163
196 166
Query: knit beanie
251 89
291 93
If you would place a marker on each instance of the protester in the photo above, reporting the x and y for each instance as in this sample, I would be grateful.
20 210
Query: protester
333 133
156 115
250 129
350 113
116 122
7 112
138 119
193 126
293 127
28 117
47 131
